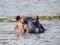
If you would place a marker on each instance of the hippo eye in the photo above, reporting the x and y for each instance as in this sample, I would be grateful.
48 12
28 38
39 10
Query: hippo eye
20 21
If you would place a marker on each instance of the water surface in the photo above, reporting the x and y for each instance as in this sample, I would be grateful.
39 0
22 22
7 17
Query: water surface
50 37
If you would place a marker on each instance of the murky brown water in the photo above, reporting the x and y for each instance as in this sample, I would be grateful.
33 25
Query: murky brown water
50 37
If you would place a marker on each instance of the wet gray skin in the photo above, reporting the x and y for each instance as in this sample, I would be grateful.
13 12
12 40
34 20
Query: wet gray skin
32 24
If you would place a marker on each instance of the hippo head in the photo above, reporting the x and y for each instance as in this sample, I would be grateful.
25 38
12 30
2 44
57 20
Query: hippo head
33 23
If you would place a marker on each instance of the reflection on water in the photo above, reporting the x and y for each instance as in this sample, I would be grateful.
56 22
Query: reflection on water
50 37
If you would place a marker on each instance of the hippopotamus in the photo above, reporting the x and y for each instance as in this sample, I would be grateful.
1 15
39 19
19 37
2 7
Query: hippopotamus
34 24
28 24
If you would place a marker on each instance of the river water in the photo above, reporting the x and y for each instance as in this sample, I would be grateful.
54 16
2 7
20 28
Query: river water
30 7
11 8
50 37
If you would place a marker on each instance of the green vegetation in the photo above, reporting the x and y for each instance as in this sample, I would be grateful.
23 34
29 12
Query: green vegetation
47 17
12 19
2 20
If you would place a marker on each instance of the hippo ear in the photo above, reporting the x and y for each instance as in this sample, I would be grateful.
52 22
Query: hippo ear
37 17
18 17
